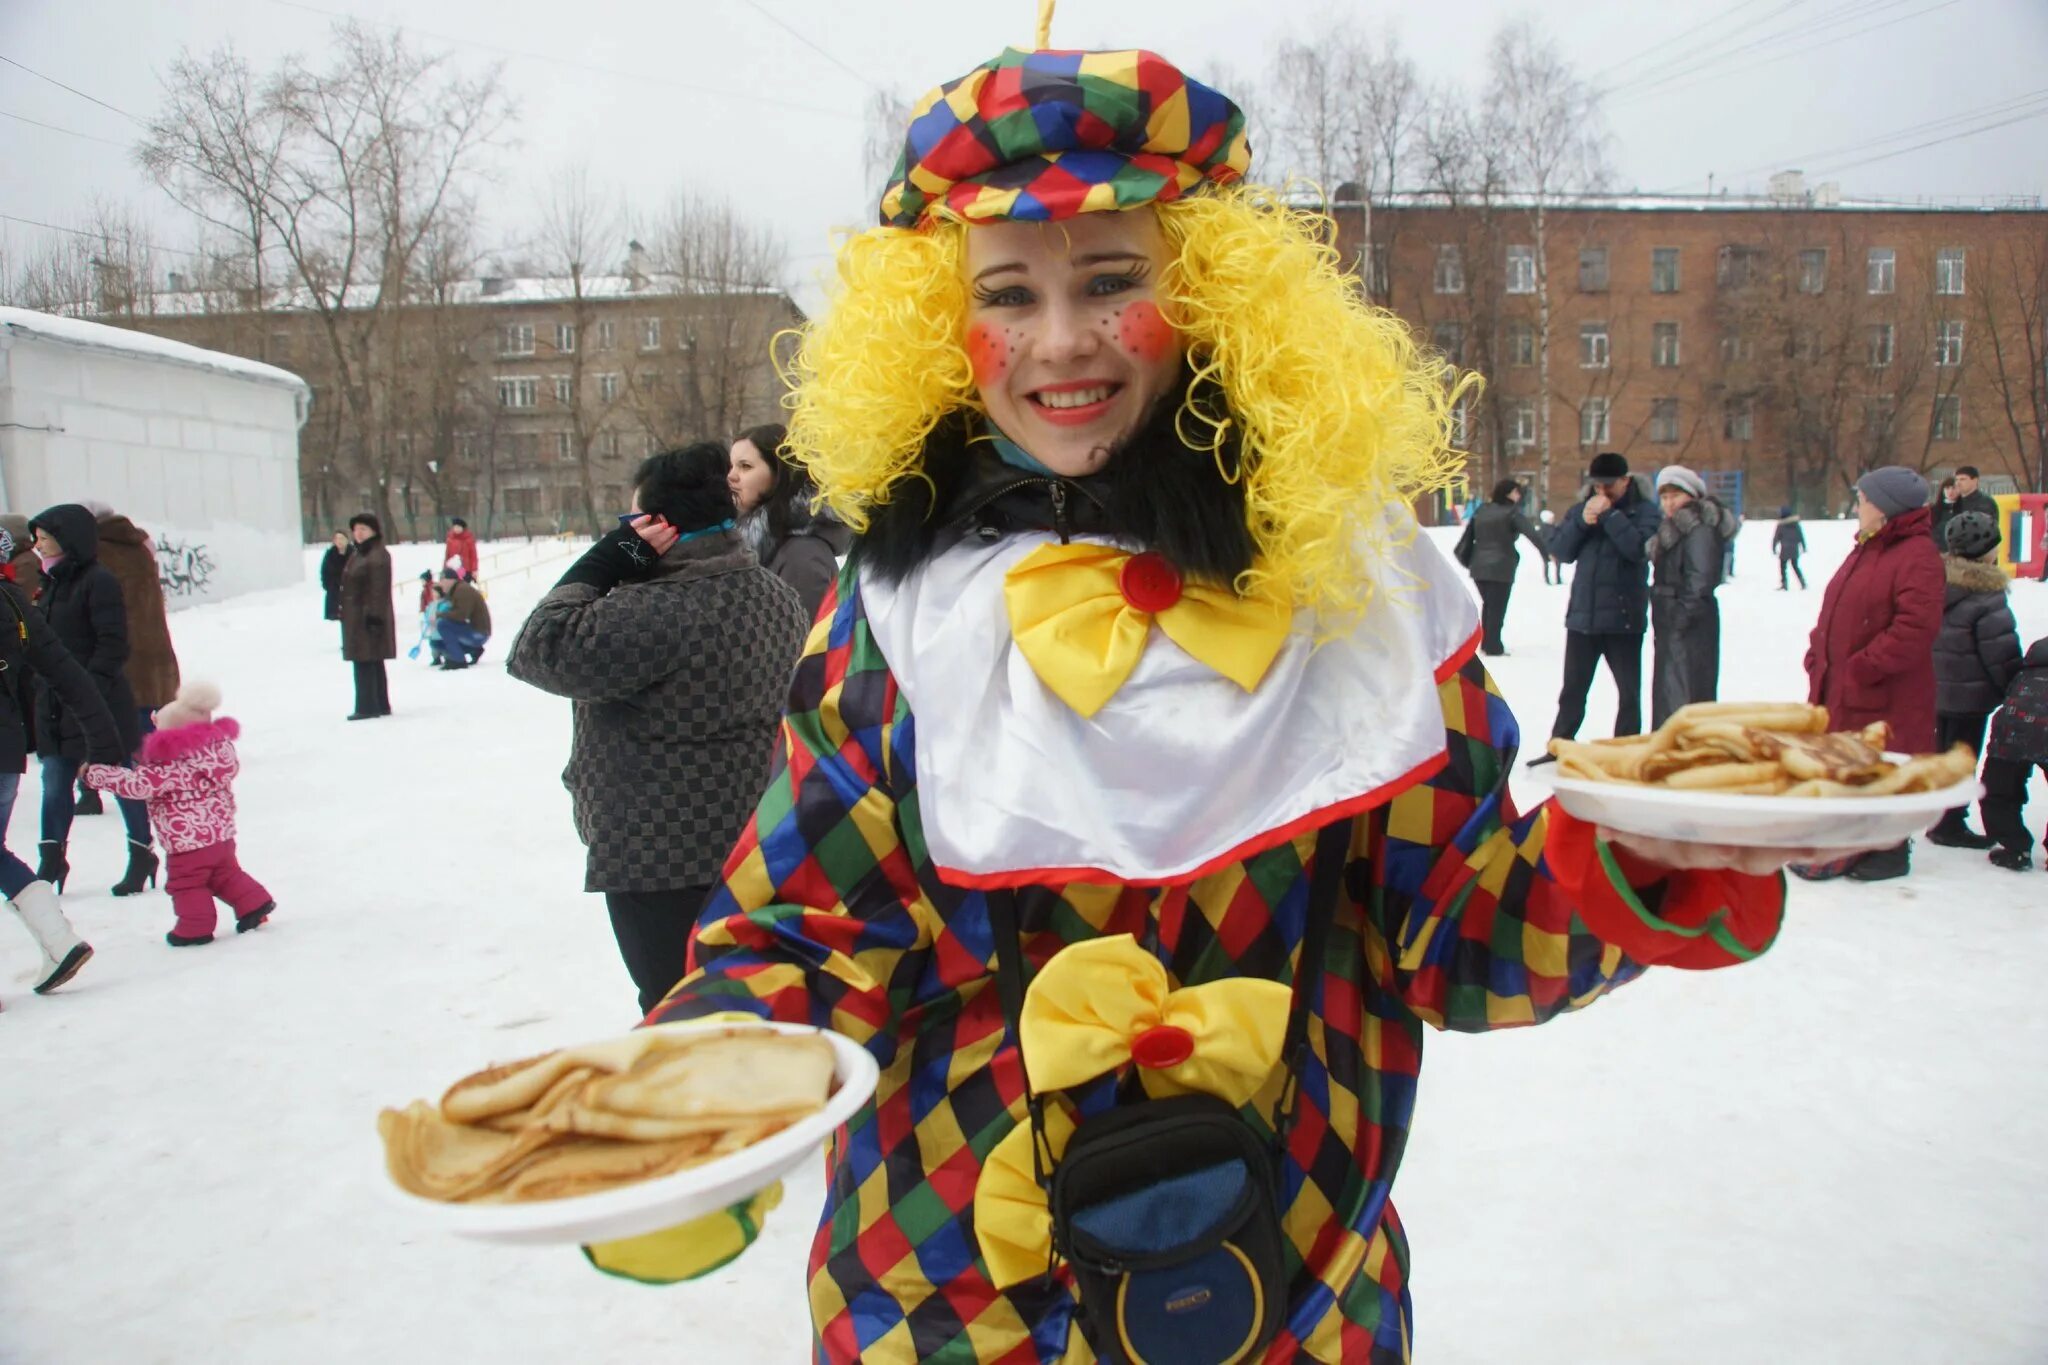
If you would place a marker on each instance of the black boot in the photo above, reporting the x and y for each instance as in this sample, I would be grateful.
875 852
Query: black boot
178 940
1953 831
141 864
255 918
2015 859
51 865
1884 865
89 802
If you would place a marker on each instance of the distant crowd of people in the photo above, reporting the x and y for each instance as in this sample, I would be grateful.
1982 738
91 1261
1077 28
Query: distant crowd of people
1915 629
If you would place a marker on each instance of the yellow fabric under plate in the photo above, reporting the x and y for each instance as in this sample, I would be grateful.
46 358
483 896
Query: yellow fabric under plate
1070 620
690 1249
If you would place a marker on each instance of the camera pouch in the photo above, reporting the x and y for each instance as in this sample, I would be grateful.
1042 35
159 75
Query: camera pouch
1167 1212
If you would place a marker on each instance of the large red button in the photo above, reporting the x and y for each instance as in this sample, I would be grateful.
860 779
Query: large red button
1162 1046
1149 582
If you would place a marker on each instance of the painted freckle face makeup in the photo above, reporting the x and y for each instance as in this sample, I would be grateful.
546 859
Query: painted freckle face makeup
1069 346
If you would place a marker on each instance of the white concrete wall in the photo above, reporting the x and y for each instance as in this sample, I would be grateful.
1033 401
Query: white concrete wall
207 463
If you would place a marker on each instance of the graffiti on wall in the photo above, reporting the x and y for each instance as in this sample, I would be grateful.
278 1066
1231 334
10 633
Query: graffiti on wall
183 567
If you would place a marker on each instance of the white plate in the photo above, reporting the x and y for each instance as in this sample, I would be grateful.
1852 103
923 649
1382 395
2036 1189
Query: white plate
651 1205
1706 817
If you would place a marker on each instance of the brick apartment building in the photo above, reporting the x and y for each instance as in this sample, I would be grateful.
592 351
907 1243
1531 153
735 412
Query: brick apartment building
509 401
1795 337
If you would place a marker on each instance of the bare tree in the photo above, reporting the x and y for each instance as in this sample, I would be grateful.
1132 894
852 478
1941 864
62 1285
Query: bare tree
343 171
104 267
580 227
2010 348
1546 124
882 129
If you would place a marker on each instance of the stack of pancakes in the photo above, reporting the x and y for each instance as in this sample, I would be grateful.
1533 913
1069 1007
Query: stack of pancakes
585 1119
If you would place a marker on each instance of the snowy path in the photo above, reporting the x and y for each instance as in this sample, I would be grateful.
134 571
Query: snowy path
1833 1155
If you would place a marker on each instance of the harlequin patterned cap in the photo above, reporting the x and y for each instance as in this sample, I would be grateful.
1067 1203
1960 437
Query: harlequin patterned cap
1040 136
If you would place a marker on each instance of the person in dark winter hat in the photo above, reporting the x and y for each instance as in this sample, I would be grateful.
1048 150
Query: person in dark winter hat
331 565
463 626
29 647
187 776
1871 656
1975 656
1789 541
1487 550
369 634
460 552
1607 535
676 646
82 602
2018 745
1687 558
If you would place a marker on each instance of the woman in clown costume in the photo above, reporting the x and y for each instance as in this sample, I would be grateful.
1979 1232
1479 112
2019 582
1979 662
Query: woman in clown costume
1136 612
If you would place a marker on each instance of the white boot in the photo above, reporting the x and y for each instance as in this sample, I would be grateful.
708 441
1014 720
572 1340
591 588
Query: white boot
64 952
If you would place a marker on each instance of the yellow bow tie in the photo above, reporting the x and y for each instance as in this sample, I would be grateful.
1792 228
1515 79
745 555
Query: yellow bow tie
1098 1006
1081 615
1104 1003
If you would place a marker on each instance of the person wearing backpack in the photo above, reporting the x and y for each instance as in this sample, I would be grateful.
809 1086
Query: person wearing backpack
1975 656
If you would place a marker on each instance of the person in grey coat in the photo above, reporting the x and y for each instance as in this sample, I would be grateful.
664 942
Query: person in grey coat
1606 535
1686 556
676 647
1487 550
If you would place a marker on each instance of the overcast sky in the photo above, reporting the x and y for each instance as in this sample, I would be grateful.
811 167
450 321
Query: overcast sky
762 100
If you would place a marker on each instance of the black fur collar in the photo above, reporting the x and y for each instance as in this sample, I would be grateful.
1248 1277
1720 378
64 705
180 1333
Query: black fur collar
1153 494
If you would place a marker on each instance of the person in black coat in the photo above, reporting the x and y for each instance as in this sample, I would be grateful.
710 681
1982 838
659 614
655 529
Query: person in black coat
1607 535
2018 745
1687 555
30 649
1789 540
1975 656
82 602
1487 550
331 565
1969 496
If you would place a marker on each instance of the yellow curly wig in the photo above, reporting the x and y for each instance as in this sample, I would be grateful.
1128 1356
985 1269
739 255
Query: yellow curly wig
1341 414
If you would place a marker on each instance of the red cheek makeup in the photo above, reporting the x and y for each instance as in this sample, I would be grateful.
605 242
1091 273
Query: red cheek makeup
1145 332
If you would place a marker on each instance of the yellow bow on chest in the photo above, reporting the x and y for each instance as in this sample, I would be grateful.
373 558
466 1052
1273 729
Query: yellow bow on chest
1081 615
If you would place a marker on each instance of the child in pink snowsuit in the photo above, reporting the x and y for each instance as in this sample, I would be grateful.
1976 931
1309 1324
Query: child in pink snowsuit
186 774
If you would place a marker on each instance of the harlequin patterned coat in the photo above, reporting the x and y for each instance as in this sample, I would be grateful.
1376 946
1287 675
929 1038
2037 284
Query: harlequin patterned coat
187 776
677 684
1459 913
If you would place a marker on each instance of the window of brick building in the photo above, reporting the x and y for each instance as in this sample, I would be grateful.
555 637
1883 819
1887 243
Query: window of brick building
652 445
1521 344
1593 422
1593 346
1880 337
646 380
1738 419
1519 416
608 387
650 334
1664 270
1948 270
519 393
520 501
1593 270
565 337
1664 421
1948 417
607 335
1880 270
565 445
516 339
1804 346
1664 345
1449 337
1737 346
1813 270
1948 342
608 446
1376 271
466 445
1461 423
1521 270
565 392
1736 266
1449 277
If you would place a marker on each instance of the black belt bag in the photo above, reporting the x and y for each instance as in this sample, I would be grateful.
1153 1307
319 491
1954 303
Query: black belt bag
1168 1210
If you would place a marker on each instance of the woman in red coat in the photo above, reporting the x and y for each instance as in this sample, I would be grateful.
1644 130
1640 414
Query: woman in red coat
1872 654
461 545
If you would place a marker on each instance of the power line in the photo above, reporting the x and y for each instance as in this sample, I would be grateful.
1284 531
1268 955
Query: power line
1690 63
792 31
100 236
1910 130
1785 56
1680 36
1934 142
68 132
72 88
745 96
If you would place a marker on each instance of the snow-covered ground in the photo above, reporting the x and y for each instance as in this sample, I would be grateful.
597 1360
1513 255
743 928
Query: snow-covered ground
1837 1154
